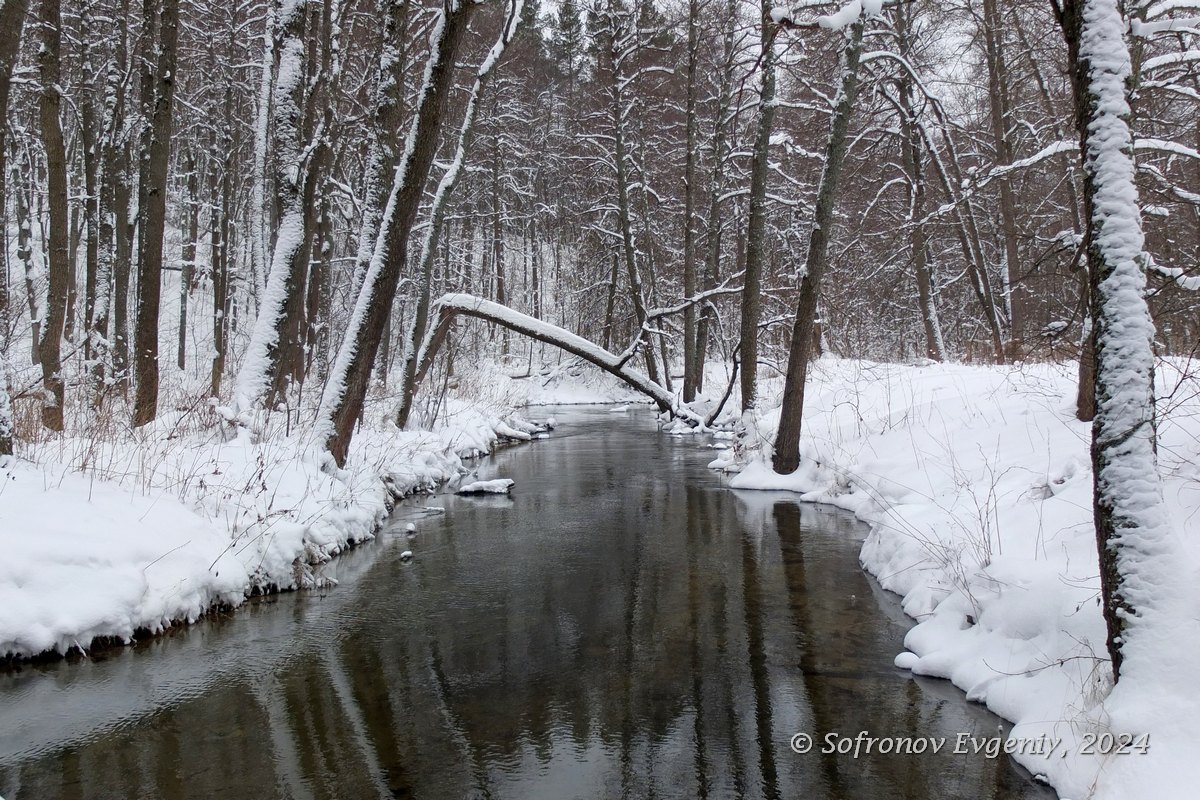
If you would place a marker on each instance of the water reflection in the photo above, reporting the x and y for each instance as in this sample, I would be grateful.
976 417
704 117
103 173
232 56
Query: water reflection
623 627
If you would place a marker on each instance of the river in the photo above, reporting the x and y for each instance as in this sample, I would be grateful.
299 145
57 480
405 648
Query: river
622 626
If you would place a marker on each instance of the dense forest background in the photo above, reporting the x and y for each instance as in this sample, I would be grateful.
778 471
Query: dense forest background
584 164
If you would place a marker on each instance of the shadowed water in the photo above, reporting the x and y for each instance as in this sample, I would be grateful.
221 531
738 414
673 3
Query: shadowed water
623 626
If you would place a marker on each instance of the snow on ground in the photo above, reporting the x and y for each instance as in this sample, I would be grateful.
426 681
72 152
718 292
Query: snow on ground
146 528
977 484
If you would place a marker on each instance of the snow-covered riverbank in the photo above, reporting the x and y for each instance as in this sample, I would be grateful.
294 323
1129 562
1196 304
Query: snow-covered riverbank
977 483
128 531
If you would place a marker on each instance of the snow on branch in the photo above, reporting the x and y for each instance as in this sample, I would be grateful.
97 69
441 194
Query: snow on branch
1175 275
838 20
452 305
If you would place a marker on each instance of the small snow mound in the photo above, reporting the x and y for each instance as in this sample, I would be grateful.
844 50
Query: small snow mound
497 486
410 527
406 555
551 423
906 660
619 409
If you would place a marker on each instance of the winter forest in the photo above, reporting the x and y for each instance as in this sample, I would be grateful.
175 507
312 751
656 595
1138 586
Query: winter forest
275 271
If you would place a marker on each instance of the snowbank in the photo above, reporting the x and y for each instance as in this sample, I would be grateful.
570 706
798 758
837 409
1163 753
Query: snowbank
104 540
977 483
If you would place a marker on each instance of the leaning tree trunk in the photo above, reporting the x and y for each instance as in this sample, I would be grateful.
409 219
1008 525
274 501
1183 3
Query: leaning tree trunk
437 211
152 214
787 439
1133 535
59 258
450 306
346 389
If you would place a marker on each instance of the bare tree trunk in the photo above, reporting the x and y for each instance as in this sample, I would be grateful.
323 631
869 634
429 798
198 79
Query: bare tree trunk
610 305
617 113
152 211
787 440
115 217
918 235
58 257
1001 116
707 316
382 150
757 222
274 358
91 133
690 366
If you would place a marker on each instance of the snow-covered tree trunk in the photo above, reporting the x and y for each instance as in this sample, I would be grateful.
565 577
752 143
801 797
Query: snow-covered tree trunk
1132 530
188 258
346 388
385 136
260 219
276 337
450 306
56 173
914 152
6 419
438 208
619 44
723 121
787 439
12 19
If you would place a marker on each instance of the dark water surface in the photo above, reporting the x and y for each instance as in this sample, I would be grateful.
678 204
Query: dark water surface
623 626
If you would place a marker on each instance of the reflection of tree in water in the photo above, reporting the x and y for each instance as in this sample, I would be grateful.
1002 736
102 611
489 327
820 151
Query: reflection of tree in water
623 626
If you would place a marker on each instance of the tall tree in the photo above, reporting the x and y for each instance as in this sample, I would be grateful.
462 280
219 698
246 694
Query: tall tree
690 363
275 355
787 439
1132 530
757 222
999 106
158 79
346 387
12 19
438 208
49 63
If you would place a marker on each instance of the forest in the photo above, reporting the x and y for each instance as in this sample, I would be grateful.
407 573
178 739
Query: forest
316 233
